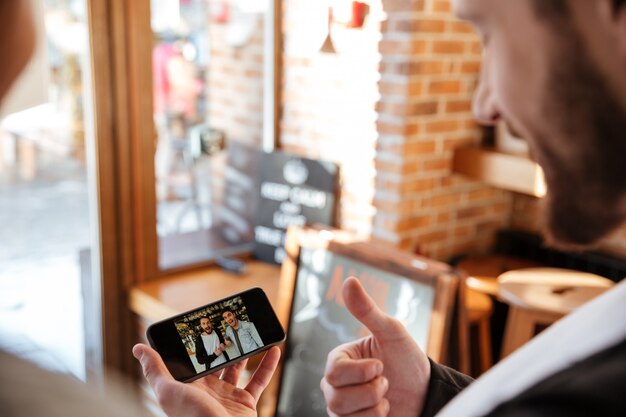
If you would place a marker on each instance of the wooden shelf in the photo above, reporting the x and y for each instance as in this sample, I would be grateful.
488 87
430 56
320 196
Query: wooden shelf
507 171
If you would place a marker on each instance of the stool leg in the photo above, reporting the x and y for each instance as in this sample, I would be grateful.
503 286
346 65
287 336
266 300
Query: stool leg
484 341
520 328
521 325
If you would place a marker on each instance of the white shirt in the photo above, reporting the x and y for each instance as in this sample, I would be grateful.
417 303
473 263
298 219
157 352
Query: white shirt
211 342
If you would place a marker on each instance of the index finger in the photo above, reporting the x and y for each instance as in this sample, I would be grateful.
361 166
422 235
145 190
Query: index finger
342 370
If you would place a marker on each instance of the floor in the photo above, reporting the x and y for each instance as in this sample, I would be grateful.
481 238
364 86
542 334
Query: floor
44 222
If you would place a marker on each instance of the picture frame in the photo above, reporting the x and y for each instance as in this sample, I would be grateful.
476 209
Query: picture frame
421 292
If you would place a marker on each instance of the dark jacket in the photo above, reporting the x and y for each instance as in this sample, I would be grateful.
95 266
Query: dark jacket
595 386
202 356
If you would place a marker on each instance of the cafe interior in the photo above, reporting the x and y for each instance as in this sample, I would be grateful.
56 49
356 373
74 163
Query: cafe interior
162 155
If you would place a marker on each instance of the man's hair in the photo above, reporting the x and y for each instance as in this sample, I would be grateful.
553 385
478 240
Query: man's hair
228 309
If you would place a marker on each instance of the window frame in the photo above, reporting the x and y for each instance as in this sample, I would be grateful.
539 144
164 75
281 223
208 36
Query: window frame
120 37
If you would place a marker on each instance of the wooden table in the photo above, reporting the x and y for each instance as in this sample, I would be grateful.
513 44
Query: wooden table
540 296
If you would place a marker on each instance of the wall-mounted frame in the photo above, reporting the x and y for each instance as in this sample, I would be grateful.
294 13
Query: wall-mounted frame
420 292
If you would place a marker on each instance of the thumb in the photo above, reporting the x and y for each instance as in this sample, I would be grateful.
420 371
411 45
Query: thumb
152 365
365 310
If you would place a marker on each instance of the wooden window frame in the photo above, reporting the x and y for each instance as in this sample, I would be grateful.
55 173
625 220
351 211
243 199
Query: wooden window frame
125 144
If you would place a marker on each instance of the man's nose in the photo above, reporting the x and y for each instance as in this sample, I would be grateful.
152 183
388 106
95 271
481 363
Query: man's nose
484 105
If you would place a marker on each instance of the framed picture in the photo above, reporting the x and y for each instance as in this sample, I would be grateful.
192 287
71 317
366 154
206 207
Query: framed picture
420 292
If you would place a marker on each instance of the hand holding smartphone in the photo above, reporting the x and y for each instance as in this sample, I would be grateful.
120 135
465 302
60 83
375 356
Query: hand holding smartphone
216 335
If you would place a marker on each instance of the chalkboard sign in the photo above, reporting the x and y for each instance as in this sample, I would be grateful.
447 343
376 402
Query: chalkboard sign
293 191
418 291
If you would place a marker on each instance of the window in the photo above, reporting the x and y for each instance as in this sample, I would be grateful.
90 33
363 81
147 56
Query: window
212 71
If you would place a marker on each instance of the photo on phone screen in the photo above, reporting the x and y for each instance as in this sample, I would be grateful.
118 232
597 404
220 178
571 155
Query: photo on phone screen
213 336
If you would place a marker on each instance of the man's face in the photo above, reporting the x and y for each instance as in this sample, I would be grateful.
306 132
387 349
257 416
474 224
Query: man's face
230 318
543 78
206 325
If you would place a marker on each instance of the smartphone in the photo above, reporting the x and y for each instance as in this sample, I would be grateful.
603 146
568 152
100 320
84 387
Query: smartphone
214 336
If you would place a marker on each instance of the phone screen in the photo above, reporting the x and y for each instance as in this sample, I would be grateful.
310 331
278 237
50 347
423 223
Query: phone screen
211 337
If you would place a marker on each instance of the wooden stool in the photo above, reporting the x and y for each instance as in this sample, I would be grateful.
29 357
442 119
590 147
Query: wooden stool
482 287
540 296
483 270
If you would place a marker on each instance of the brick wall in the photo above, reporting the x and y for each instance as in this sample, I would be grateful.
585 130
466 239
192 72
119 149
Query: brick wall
329 101
390 107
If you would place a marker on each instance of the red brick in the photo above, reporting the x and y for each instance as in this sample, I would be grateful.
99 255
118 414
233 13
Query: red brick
471 124
461 27
430 25
459 106
420 148
480 194
417 186
412 129
448 47
424 108
470 67
463 231
444 87
427 68
475 47
419 47
438 164
416 88
442 6
441 126
413 223
470 212
443 218
445 200
450 144
436 236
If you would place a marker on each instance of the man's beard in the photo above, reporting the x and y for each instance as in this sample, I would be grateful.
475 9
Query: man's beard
586 181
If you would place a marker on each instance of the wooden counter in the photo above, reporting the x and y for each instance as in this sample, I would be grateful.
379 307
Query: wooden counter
159 299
